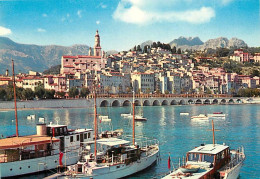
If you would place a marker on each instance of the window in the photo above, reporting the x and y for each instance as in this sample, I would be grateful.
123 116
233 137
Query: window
71 138
77 137
89 135
85 136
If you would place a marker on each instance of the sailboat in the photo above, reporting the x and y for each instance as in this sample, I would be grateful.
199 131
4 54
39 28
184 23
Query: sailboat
116 158
53 145
211 161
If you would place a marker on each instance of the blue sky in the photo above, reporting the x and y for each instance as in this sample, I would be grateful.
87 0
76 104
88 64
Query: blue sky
125 23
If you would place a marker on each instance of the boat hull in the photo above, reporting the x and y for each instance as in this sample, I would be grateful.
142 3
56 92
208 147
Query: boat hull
23 167
122 170
233 172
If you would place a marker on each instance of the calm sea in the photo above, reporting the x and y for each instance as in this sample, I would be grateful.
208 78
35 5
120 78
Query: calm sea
177 134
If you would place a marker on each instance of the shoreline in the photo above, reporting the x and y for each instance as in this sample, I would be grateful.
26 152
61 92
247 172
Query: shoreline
82 107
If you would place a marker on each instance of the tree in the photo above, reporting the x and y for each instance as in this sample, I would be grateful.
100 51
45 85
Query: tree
73 92
174 51
148 90
166 92
154 45
49 94
60 94
255 73
134 48
179 51
84 92
39 92
27 94
2 94
139 48
145 49
107 89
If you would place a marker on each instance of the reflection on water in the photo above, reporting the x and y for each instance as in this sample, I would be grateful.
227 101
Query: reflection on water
176 133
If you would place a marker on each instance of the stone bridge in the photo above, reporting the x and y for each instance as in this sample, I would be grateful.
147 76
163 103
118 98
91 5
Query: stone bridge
164 101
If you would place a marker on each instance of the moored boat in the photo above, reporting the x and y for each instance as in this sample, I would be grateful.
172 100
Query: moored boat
200 117
210 161
217 114
184 113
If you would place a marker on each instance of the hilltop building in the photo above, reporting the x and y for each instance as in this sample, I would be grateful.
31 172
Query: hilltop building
81 63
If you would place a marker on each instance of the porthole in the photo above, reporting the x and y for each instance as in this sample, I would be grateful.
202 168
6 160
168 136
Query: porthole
20 168
11 169
55 161
29 166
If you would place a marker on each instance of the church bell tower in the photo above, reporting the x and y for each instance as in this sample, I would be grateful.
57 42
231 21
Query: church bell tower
97 48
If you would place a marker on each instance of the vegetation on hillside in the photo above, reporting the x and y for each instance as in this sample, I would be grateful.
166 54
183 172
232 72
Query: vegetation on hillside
54 70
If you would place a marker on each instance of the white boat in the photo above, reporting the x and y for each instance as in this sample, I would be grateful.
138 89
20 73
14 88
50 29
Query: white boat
53 145
104 118
200 117
118 159
126 115
108 134
140 118
30 117
217 114
184 113
210 161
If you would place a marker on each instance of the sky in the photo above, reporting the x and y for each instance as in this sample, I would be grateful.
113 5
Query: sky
123 24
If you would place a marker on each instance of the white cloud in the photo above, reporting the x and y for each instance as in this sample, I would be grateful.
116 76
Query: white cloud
44 15
97 22
79 13
5 31
41 30
141 12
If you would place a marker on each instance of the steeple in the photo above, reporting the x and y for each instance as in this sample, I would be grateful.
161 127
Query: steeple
97 48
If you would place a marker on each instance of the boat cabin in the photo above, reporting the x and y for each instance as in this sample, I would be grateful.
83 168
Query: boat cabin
212 156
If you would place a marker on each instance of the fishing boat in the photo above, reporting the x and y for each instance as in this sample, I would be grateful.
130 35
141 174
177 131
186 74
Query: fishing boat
116 158
217 114
200 117
140 118
210 161
53 145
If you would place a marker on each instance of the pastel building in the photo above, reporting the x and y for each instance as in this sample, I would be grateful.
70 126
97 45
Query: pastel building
143 82
82 63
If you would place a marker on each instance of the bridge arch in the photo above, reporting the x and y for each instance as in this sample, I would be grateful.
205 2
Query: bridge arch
182 102
174 102
126 103
231 101
165 103
156 103
137 103
207 101
115 103
104 103
190 101
223 101
146 103
215 101
239 101
198 101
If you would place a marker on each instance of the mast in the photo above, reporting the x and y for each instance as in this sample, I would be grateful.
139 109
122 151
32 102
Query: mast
15 105
133 118
95 120
213 131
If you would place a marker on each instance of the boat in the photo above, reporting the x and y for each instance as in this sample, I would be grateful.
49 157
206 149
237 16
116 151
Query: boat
217 114
126 115
210 161
184 113
30 117
108 134
116 158
140 118
104 118
53 145
200 117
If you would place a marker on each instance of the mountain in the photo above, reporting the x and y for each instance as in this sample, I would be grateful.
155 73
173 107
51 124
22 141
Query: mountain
34 57
197 44
190 41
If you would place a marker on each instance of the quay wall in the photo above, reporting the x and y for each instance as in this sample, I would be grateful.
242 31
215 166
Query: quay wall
126 101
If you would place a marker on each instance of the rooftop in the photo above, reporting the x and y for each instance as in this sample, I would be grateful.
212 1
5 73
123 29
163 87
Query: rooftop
209 149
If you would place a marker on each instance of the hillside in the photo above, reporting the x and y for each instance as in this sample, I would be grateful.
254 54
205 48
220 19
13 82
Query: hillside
34 57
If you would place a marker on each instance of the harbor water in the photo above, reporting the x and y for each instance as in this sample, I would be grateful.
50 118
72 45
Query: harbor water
177 134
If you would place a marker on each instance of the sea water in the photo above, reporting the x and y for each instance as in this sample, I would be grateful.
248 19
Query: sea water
177 134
